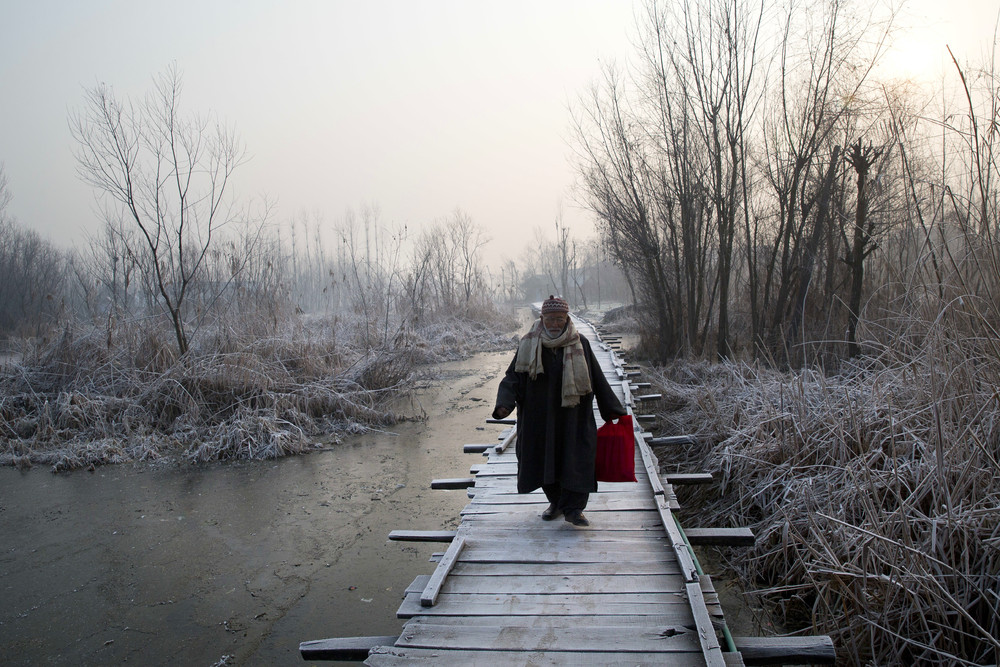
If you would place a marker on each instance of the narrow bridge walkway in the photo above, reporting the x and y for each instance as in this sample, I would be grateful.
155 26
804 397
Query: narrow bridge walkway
512 589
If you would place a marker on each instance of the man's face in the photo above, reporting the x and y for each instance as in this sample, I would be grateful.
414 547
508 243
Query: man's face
554 323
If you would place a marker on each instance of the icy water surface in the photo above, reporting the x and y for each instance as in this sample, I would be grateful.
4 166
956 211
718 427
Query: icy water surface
233 564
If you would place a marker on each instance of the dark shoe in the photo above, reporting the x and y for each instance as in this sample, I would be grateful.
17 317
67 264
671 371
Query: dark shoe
551 512
576 518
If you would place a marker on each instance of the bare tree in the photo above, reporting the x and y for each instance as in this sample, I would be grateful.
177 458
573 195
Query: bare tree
861 158
468 240
167 173
705 83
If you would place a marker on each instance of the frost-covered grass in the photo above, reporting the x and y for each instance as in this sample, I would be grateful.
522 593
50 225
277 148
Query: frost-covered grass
88 399
874 493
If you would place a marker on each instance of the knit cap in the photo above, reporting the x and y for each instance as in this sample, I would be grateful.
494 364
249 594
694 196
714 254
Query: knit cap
554 304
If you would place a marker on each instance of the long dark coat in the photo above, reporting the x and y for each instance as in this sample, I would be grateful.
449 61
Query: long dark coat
556 444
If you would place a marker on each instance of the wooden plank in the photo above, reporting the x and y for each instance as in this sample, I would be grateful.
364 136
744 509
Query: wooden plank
653 584
530 513
491 501
433 587
705 629
580 622
566 537
688 478
386 656
673 440
732 537
651 465
476 448
517 521
506 441
598 639
469 605
422 535
818 650
343 648
594 507
647 397
509 554
508 484
453 483
677 543
505 420
481 568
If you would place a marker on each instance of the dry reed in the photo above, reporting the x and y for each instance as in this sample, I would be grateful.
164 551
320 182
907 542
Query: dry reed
79 402
873 493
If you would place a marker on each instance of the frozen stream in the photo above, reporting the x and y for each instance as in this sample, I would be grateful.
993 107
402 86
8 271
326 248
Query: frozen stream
233 564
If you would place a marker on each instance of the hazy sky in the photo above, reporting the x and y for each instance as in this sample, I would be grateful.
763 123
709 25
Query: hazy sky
417 106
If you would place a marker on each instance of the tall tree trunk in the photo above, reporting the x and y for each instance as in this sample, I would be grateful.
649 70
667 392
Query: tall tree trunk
861 158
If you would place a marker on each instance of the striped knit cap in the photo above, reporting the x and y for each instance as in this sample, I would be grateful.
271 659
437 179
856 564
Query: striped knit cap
554 304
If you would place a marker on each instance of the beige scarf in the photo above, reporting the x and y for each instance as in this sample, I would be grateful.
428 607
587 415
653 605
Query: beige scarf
575 372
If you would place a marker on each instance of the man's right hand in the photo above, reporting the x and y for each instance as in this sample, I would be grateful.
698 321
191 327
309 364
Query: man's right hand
499 412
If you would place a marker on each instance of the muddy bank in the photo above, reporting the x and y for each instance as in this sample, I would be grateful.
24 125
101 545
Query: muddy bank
233 564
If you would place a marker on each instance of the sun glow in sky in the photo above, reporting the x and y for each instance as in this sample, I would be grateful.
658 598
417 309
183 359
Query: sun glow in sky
417 107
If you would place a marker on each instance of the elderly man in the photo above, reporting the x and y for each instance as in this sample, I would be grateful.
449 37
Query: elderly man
553 381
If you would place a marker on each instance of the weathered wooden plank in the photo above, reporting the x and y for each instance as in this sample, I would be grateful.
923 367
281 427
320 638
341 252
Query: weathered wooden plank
503 488
394 656
647 397
651 465
517 521
680 548
732 537
594 508
433 587
505 554
508 484
565 537
673 440
422 535
420 582
624 501
505 420
480 568
477 448
343 648
688 478
818 650
608 639
705 629
673 616
510 437
506 464
581 585
453 483
617 604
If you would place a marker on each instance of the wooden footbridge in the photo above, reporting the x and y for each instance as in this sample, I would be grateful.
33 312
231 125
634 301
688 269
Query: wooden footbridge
512 589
